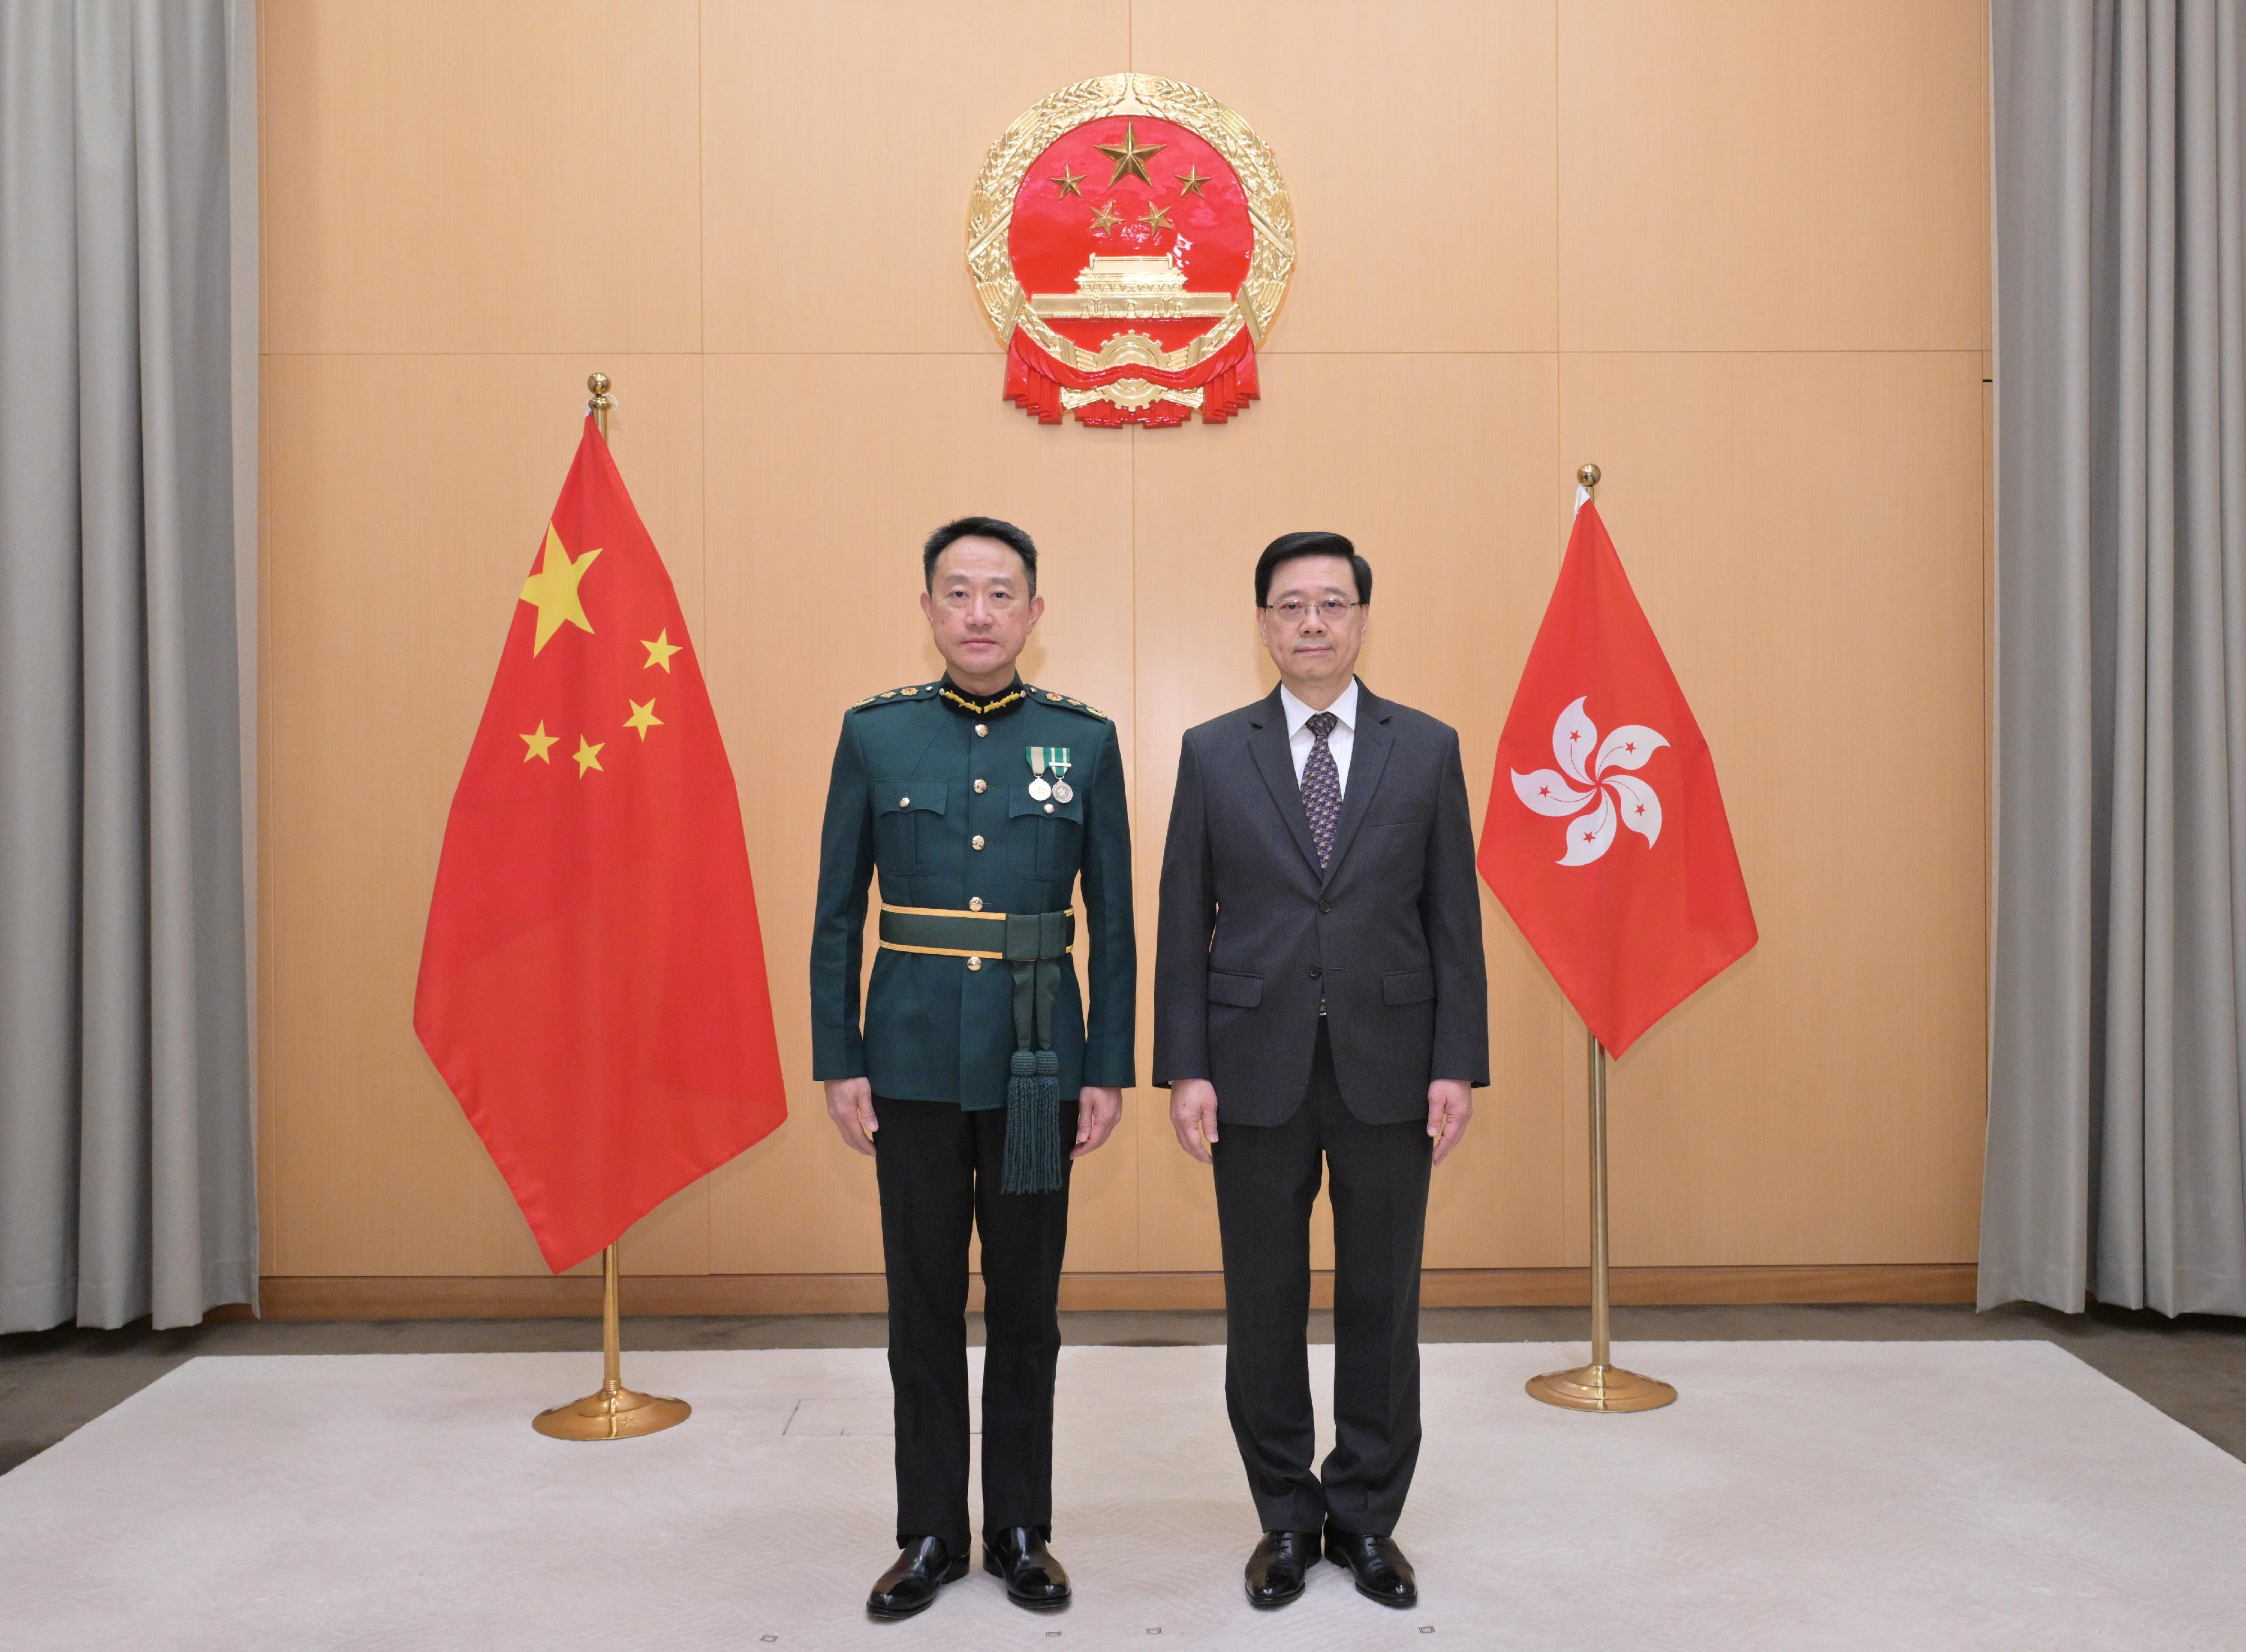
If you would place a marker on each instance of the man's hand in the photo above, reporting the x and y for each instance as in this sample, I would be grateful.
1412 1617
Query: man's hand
1193 1115
850 1105
1097 1109
1450 1105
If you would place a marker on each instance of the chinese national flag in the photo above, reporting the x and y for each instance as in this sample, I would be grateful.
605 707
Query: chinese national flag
593 980
1605 836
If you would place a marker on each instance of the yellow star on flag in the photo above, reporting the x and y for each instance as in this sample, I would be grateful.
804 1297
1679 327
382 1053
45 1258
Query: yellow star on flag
1130 156
660 651
588 756
1066 182
1190 181
643 717
540 743
1103 220
553 590
1157 217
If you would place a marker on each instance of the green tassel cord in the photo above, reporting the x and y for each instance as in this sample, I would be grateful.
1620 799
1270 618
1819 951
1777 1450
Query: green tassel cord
1034 1160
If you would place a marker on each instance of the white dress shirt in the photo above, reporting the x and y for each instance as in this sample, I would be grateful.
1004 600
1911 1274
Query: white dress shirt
1341 742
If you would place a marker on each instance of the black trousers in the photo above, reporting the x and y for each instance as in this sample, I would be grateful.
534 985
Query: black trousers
1267 1179
939 1169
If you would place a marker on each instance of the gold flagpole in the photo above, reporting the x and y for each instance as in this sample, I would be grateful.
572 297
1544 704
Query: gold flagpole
1601 1386
612 1411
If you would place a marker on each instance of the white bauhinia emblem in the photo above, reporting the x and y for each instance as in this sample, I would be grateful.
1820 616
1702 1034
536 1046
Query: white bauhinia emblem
1599 791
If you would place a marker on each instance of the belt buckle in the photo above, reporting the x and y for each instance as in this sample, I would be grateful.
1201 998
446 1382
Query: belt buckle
1033 937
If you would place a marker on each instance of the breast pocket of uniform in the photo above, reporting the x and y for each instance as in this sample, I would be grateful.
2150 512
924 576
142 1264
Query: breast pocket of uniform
907 818
1054 830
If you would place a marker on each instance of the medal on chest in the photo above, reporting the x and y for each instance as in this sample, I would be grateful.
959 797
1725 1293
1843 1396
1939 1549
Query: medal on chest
1055 758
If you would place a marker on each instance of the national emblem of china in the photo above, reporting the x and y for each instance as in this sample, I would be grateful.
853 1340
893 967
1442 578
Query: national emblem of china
1130 240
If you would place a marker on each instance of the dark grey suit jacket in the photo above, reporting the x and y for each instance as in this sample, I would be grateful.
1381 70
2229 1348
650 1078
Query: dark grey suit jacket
1251 933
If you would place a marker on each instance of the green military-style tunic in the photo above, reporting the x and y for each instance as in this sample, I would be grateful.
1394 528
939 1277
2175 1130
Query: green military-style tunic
931 789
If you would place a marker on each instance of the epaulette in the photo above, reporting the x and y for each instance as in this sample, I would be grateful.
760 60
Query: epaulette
895 696
1048 696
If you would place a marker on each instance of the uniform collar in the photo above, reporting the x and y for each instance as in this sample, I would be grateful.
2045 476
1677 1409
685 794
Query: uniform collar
1008 700
1344 709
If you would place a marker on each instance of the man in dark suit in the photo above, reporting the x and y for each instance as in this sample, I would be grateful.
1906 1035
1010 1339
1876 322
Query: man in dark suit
1319 994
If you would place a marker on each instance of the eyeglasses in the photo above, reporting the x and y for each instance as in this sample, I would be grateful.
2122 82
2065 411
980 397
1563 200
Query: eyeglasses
1331 609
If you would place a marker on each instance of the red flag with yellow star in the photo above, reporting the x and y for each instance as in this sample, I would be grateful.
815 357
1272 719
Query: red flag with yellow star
593 979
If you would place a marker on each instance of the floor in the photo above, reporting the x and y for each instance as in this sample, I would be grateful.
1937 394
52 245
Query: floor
1829 1496
2194 1368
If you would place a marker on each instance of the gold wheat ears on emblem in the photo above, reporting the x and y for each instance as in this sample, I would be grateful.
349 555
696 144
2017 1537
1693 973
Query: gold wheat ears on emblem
990 207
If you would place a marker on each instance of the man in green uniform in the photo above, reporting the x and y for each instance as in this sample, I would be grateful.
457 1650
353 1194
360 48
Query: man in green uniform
977 1077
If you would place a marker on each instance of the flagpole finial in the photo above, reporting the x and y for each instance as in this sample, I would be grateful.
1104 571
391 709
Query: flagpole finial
602 402
1589 476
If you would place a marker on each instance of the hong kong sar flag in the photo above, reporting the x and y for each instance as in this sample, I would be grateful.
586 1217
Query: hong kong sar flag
1606 838
593 980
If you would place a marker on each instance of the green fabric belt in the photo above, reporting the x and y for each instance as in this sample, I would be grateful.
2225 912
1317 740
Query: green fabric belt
1015 936
1033 943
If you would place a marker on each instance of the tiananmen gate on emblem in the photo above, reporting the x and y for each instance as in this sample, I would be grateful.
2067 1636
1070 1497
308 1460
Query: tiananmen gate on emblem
1130 239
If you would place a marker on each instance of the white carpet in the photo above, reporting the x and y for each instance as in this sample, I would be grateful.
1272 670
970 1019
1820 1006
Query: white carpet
1800 1495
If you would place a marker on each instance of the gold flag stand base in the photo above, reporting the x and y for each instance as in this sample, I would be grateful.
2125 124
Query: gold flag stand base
1601 1385
611 1411
1600 1388
615 1413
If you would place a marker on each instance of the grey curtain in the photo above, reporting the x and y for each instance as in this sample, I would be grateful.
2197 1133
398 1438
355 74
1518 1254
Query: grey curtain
127 1185
2117 1140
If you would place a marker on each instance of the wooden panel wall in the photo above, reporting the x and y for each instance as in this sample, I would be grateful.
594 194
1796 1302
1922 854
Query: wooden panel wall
1734 250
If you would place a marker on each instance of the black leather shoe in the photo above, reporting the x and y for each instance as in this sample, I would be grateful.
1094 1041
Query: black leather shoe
1033 1578
924 1566
1381 1571
1278 1567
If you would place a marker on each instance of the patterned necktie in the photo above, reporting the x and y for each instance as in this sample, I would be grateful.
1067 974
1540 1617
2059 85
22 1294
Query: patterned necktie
1322 785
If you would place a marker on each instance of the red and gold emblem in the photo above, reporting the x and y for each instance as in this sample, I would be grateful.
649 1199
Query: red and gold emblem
1130 239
